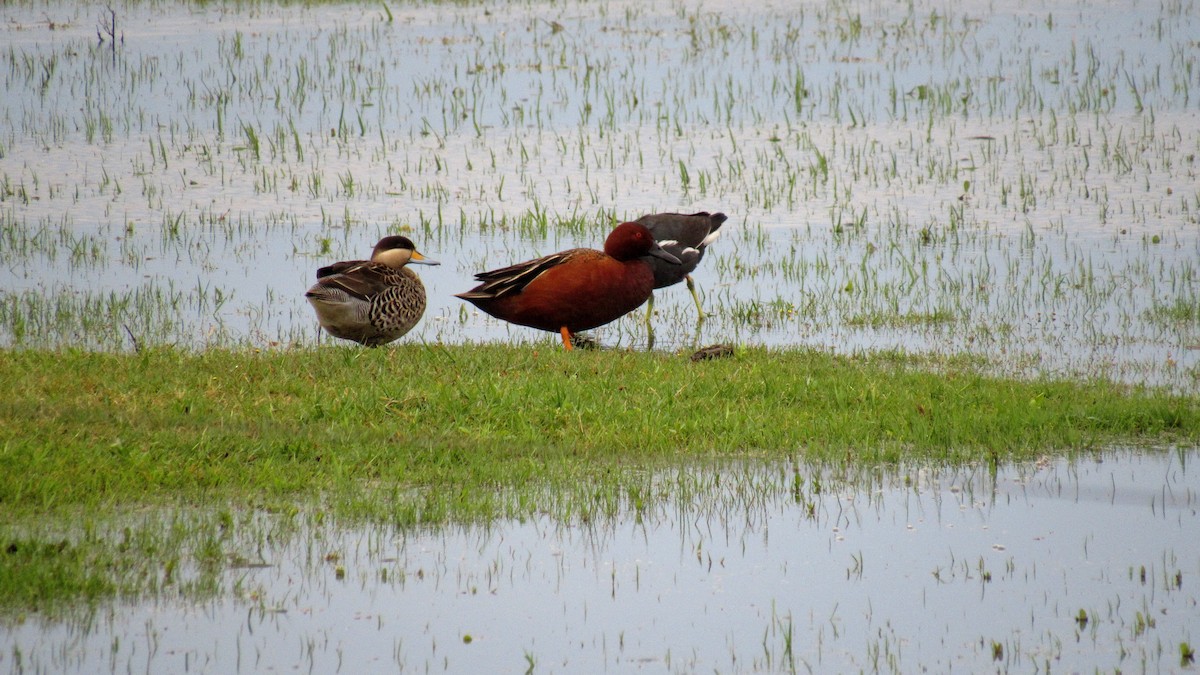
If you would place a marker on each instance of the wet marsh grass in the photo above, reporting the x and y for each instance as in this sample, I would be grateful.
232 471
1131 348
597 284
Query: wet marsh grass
420 436
885 164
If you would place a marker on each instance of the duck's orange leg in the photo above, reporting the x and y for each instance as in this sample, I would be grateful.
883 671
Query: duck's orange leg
566 337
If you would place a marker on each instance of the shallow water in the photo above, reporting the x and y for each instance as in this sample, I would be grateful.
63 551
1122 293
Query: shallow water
1012 180
893 570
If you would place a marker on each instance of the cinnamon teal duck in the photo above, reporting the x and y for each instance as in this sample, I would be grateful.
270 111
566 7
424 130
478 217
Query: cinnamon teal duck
574 290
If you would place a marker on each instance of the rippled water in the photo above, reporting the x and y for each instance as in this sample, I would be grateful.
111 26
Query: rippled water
1013 180
893 570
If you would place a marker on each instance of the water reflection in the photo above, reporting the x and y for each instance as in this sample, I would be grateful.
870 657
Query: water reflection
768 568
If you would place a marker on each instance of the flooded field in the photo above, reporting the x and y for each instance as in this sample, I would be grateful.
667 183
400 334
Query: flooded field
1058 566
1012 180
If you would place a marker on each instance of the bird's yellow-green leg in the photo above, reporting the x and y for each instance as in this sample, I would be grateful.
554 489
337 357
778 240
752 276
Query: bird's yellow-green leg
649 323
692 287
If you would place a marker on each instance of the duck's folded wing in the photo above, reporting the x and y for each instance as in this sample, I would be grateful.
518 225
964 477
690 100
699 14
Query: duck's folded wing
362 279
512 279
339 268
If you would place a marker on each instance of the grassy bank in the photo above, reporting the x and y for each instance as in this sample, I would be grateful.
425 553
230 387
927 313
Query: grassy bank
423 434
88 429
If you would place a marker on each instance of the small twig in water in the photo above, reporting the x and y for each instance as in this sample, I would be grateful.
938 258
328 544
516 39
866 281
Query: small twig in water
108 26
137 346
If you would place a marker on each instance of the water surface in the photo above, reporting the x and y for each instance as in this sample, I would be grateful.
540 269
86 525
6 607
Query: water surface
770 568
1011 180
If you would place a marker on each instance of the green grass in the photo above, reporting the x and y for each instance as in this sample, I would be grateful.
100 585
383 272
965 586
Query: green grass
418 435
91 429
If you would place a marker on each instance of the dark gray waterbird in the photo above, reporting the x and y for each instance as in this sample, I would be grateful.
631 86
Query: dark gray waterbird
371 302
684 236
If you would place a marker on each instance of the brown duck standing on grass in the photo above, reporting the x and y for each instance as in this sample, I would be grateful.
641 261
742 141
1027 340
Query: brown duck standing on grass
685 236
574 290
371 302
